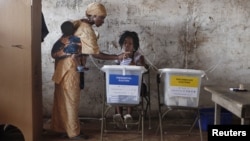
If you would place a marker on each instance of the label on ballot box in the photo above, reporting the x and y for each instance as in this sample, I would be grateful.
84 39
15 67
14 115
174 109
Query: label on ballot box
123 89
184 86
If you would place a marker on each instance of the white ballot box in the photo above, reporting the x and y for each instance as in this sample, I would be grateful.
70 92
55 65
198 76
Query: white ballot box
123 83
181 86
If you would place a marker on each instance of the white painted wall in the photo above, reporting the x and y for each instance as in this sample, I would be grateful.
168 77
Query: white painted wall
211 35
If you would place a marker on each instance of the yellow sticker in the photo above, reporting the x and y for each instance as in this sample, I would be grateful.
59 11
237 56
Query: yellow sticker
184 81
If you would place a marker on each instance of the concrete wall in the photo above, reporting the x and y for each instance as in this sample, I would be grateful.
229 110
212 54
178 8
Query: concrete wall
211 35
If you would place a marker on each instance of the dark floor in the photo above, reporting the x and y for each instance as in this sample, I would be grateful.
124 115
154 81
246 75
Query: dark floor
173 131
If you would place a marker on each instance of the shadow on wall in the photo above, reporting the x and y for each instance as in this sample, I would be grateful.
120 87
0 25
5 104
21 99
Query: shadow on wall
177 45
190 39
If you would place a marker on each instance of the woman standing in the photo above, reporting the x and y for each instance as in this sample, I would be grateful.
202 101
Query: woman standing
67 91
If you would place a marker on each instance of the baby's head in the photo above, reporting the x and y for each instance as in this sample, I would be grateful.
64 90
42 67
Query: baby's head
67 28
125 40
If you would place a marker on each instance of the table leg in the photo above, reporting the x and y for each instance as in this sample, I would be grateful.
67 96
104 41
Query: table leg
217 112
245 121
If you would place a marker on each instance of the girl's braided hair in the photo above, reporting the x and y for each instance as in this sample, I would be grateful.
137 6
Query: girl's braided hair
131 34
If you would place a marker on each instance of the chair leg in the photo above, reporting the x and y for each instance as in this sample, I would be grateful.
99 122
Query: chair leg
148 111
193 124
199 122
149 118
160 126
102 123
142 122
201 136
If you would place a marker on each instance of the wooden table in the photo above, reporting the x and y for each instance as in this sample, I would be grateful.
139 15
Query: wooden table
236 102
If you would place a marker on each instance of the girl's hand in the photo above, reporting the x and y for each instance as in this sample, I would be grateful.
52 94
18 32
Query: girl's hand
124 55
132 63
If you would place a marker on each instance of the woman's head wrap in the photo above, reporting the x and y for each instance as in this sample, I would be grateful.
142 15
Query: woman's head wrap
96 8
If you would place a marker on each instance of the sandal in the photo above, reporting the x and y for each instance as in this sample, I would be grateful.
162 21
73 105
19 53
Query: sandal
128 121
117 118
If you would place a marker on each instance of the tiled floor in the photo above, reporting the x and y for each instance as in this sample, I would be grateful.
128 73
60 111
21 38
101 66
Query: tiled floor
93 129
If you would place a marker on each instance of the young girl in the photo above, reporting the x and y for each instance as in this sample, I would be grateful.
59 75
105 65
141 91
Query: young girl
129 42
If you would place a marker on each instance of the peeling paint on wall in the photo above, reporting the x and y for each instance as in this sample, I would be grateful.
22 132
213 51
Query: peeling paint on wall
210 35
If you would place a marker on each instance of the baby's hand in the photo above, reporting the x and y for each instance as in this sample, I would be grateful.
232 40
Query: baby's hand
65 41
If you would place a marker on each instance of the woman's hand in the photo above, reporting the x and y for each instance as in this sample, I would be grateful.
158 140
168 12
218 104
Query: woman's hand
58 54
123 55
